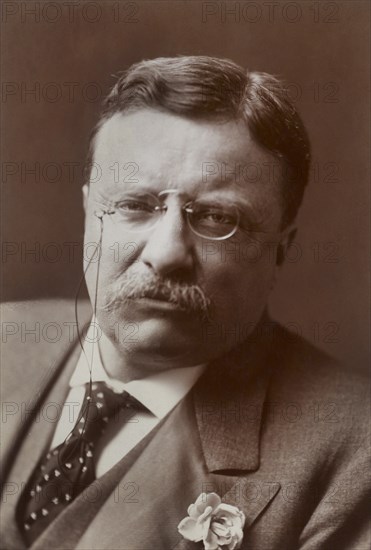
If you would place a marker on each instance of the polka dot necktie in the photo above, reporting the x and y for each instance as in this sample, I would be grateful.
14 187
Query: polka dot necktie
69 469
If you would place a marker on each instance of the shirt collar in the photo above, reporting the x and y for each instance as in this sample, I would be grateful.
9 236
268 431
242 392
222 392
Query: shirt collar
158 392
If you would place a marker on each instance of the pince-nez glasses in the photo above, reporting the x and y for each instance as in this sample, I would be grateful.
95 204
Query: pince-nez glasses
141 211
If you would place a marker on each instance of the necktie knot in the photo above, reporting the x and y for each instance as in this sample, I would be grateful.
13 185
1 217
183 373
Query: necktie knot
101 404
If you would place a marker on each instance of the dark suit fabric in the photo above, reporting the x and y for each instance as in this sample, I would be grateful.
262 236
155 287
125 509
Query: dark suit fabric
275 427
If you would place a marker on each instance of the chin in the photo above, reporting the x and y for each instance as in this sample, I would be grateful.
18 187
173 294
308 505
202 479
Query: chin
162 337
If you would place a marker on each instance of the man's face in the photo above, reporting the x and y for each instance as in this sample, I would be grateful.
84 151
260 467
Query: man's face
149 152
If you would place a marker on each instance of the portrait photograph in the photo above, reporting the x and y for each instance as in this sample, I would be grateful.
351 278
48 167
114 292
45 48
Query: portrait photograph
185 275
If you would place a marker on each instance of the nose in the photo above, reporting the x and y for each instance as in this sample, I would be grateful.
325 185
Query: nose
169 247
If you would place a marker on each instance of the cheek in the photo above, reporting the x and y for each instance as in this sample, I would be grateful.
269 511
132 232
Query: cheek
118 253
240 287
100 263
114 250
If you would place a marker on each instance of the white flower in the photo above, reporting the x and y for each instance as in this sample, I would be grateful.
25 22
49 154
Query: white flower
218 525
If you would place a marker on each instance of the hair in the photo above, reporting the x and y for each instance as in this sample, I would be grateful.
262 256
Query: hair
209 88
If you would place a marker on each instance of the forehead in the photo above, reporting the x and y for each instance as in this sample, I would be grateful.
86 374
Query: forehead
153 150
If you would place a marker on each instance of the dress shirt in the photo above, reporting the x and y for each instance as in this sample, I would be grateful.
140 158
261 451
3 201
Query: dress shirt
159 393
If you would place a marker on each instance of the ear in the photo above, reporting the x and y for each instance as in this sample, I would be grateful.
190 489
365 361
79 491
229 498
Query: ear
85 194
288 237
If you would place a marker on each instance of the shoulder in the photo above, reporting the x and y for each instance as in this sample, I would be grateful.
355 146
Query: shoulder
315 387
300 366
35 332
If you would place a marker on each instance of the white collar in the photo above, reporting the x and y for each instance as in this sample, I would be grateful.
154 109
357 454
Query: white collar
158 392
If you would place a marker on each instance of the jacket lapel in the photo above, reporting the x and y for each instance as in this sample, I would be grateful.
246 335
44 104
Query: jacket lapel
229 405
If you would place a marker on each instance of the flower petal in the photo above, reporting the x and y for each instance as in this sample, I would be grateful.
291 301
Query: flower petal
220 530
229 509
190 529
206 515
207 499
236 542
192 511
230 513
211 541
204 527
225 541
213 500
201 503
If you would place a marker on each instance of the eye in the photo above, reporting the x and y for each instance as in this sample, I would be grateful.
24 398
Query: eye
214 215
135 205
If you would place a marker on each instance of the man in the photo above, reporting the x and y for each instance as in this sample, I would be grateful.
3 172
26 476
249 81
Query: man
197 170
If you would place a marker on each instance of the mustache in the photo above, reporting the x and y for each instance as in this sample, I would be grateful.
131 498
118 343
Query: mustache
134 284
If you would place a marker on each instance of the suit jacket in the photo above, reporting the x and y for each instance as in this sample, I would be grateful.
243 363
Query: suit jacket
275 428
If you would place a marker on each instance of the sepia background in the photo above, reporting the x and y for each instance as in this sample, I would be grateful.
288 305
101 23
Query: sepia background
58 61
